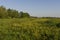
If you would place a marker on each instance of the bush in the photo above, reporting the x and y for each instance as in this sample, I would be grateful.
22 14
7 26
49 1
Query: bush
58 24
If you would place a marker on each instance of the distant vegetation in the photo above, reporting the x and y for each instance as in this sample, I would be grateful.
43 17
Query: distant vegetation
16 25
11 13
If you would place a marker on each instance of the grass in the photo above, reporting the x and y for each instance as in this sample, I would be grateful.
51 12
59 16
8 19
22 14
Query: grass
29 29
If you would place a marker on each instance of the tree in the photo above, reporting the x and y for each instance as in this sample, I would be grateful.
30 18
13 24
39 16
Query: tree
3 12
24 14
10 13
13 13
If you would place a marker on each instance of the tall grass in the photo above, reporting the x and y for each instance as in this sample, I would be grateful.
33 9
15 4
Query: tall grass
29 29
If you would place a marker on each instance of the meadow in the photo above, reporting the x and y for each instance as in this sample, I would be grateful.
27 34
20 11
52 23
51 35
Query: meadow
30 29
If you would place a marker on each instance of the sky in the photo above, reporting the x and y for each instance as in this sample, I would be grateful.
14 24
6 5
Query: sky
39 8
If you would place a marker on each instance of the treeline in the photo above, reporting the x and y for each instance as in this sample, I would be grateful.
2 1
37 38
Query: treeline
11 13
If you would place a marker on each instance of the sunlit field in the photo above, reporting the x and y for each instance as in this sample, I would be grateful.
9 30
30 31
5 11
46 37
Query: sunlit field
30 29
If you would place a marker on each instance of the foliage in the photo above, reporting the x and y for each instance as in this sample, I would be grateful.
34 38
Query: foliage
29 29
10 13
58 24
22 14
3 12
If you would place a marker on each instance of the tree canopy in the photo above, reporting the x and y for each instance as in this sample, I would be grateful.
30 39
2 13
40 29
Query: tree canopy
11 13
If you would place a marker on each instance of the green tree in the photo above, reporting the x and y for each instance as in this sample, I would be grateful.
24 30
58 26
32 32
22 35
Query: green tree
3 12
10 13
13 13
24 14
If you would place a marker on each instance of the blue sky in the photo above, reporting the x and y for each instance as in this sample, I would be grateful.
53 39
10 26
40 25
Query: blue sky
38 8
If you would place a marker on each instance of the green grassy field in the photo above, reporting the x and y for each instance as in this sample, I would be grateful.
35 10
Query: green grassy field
30 29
